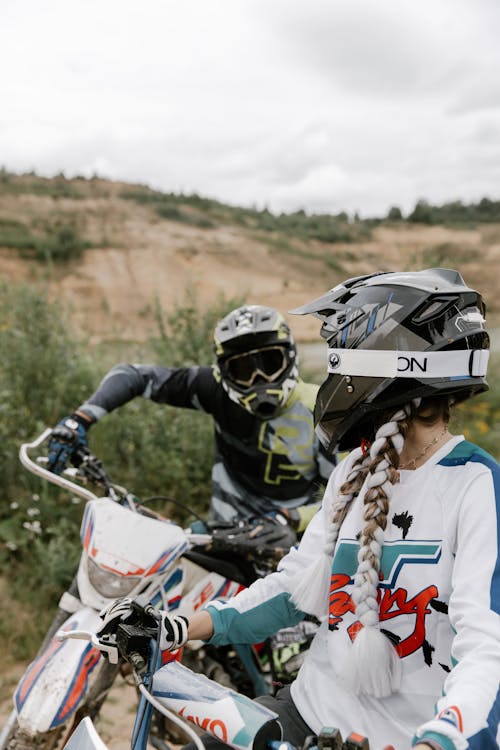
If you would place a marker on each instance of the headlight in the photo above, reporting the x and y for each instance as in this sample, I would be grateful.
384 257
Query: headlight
109 584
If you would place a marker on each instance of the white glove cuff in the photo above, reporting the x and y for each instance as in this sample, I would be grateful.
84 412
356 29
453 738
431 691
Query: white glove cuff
449 733
174 631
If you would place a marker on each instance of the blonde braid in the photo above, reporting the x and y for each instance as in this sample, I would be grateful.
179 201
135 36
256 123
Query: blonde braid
373 665
310 589
347 492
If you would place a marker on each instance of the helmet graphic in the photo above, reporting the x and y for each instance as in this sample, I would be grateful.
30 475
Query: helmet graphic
256 359
393 337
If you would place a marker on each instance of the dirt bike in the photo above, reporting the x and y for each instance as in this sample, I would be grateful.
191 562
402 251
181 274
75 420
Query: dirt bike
185 697
128 550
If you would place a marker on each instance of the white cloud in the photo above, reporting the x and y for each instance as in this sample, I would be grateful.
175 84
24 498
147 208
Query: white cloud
321 104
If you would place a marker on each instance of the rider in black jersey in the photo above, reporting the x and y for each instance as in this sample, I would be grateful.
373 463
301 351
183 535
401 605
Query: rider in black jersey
267 456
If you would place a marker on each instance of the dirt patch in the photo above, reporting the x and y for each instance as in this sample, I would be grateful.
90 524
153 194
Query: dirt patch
111 291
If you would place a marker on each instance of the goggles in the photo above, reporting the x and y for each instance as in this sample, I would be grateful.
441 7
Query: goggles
244 369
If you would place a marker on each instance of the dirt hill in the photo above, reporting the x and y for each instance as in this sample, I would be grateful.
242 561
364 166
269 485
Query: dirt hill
133 253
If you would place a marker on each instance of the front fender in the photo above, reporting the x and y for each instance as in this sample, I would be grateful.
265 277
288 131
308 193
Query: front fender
85 736
54 684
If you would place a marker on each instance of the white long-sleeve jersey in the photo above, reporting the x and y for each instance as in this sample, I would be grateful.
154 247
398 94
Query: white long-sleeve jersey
439 598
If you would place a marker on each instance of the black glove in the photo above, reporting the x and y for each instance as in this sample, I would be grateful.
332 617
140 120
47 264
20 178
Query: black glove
266 538
66 440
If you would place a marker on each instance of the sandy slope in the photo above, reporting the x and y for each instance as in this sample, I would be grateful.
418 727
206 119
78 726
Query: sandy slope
111 291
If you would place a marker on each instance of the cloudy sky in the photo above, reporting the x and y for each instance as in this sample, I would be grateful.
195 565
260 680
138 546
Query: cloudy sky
325 105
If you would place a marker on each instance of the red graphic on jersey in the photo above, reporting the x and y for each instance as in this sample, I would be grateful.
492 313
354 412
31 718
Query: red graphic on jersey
391 604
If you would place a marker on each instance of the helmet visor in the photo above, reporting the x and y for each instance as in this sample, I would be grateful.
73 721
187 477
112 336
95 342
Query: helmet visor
245 369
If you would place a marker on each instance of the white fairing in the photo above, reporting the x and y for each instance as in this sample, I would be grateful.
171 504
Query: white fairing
127 547
225 714
201 586
54 684
85 737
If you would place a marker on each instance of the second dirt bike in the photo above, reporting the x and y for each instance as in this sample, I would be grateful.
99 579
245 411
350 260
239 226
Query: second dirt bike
128 550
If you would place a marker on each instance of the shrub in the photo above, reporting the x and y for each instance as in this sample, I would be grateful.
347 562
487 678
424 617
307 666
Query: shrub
57 239
151 449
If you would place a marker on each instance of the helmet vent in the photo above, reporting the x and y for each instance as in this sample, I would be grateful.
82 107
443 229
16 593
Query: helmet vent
433 309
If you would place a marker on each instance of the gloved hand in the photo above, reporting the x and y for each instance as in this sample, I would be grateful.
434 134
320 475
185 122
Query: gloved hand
173 628
67 438
113 614
174 631
265 539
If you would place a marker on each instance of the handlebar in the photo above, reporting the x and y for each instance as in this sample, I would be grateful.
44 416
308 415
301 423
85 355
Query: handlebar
38 470
107 645
223 537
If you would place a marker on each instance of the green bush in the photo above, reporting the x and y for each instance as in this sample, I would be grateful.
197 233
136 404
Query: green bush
149 448
57 239
479 418
456 213
54 187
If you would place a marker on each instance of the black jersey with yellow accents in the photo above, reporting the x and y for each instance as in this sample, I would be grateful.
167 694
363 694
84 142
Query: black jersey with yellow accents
259 465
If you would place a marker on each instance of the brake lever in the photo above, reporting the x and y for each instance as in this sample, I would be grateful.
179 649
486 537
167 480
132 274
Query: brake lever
102 644
91 468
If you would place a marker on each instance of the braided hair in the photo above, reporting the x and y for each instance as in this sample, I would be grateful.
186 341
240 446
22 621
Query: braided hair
372 665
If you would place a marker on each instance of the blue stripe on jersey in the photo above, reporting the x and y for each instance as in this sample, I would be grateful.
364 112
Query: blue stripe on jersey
486 738
459 456
253 625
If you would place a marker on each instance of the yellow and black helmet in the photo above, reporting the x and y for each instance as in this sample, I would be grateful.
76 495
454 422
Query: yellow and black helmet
256 358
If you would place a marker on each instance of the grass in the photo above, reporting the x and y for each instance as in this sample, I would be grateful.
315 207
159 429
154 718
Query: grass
285 245
55 239
207 213
54 187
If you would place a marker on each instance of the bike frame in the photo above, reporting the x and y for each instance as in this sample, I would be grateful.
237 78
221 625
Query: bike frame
176 691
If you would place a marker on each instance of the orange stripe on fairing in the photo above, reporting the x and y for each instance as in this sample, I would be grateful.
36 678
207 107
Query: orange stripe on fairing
90 659
138 572
158 564
88 533
34 670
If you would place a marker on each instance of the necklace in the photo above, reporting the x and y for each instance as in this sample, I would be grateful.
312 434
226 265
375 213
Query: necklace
412 463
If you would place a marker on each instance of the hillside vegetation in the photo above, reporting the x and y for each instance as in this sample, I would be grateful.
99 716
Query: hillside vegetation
108 250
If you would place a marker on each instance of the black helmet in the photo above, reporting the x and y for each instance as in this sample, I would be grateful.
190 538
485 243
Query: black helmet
393 337
256 359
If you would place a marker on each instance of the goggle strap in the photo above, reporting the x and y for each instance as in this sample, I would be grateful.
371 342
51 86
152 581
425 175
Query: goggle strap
459 364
